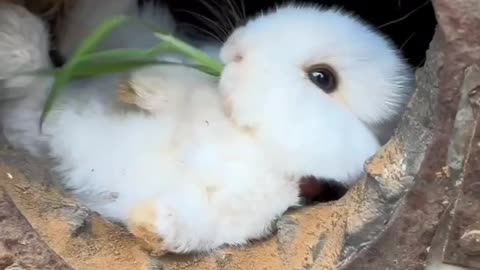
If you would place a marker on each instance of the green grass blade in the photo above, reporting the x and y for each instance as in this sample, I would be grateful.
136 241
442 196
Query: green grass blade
108 62
92 42
126 54
89 45
106 68
117 60
87 63
59 83
90 69
194 54
115 54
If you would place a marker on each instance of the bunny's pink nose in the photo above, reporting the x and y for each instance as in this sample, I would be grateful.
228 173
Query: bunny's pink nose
237 57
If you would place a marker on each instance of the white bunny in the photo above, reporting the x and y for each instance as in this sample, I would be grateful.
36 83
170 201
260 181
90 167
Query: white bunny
202 163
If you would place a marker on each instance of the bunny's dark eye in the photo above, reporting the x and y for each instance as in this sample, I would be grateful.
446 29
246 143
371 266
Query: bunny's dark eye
323 77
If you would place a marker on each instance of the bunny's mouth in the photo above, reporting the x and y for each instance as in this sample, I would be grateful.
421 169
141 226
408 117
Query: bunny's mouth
317 190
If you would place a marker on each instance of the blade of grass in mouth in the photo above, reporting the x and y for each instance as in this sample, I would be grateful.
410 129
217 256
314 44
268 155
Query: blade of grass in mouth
89 45
87 63
192 53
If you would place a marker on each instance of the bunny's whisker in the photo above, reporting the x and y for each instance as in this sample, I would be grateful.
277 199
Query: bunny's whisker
224 20
202 30
235 11
405 16
407 40
213 25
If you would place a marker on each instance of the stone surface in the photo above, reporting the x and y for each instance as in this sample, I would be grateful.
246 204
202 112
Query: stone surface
470 242
408 243
80 237
20 246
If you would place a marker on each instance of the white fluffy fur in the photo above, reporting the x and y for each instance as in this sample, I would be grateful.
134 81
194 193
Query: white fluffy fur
215 177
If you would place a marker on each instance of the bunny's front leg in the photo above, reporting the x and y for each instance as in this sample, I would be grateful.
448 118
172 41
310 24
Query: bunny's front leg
203 218
161 89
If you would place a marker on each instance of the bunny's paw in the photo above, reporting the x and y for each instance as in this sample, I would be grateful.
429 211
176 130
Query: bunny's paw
143 222
147 97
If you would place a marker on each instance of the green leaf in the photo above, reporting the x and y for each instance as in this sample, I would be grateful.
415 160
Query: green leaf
115 61
89 45
106 68
198 56
92 42
108 62
88 63
115 54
